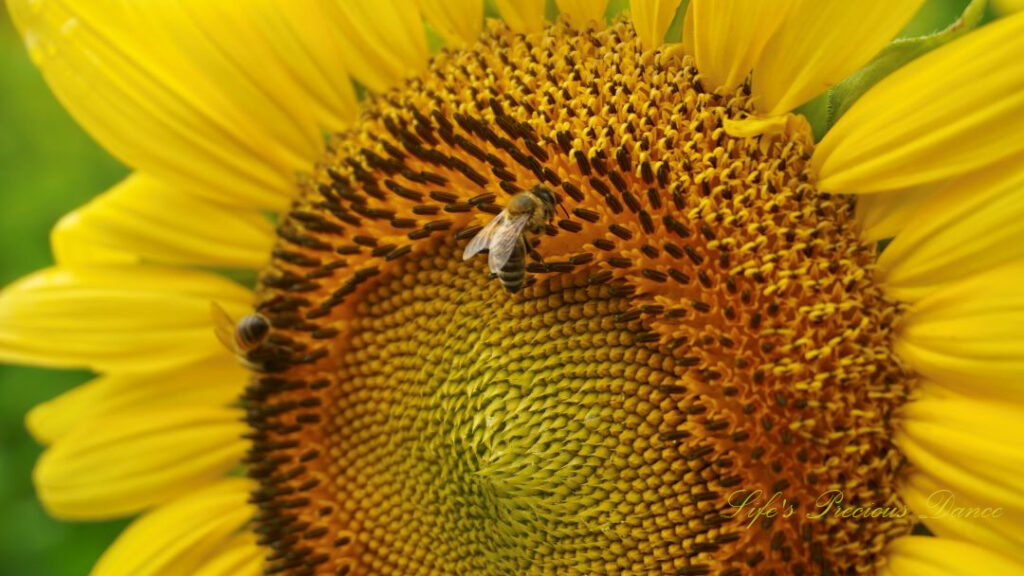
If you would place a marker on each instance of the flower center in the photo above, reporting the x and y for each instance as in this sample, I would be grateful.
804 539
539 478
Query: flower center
696 379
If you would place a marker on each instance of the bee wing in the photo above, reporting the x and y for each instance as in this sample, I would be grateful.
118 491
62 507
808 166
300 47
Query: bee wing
223 326
504 241
483 238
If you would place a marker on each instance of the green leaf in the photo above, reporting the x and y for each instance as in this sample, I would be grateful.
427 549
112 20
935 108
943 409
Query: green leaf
615 9
895 55
675 29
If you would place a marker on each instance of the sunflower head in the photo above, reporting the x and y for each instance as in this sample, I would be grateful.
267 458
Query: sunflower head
709 367
702 329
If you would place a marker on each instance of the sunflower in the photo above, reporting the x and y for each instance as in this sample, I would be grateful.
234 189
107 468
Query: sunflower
712 369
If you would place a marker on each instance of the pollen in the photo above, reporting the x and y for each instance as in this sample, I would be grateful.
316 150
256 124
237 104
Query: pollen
697 379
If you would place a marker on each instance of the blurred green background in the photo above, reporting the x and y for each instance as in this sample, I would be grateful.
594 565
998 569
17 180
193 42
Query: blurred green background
49 166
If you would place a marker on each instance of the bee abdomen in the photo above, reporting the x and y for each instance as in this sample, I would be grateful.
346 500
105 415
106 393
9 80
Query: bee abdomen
513 273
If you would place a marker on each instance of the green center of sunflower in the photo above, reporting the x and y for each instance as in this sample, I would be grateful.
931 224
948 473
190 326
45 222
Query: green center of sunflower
698 367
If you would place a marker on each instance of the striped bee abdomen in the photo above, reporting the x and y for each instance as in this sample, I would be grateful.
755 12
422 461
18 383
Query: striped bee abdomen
513 273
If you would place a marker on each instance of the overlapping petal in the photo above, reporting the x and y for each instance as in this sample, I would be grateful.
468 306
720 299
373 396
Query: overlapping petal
522 15
927 556
299 43
209 96
212 382
127 318
949 113
973 224
181 536
143 219
132 461
747 24
241 556
383 41
952 513
651 19
969 336
582 12
962 450
820 43
458 21
883 216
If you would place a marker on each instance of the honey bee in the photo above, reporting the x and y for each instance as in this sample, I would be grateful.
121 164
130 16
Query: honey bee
242 337
505 238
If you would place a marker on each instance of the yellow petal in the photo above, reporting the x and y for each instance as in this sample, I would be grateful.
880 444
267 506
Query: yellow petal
241 556
951 513
952 111
458 21
975 223
144 219
200 94
179 536
688 41
1007 6
384 40
132 461
886 215
820 43
212 382
728 37
522 15
651 19
969 335
583 12
792 125
927 556
120 318
963 444
307 59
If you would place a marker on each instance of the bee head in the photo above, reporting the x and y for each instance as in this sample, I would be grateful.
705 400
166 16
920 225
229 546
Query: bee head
544 193
547 198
